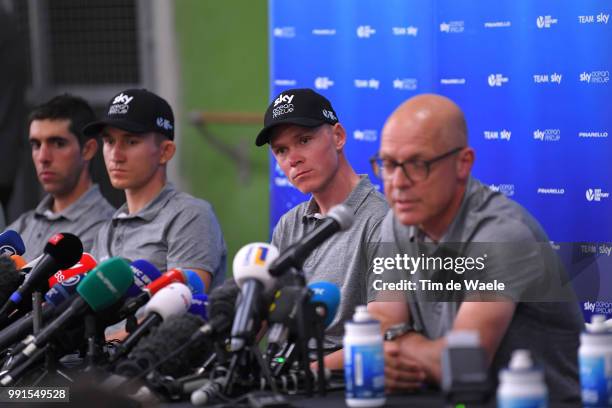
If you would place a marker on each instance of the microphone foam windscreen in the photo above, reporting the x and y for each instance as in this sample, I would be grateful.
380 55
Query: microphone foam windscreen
10 279
165 339
65 248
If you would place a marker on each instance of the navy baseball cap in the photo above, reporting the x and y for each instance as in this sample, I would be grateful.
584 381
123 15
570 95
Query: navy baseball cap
302 106
136 111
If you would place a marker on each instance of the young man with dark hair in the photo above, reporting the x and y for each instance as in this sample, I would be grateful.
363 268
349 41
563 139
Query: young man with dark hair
61 155
167 227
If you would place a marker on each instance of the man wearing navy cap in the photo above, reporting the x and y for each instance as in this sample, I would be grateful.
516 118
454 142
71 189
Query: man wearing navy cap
157 223
307 142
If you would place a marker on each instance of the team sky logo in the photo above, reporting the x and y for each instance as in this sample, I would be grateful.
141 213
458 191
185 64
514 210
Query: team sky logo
553 78
497 80
323 83
601 18
120 105
163 123
503 134
367 83
545 21
283 105
365 31
410 31
596 195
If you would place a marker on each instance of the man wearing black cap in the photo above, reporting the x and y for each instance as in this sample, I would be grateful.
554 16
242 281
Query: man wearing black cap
158 223
307 142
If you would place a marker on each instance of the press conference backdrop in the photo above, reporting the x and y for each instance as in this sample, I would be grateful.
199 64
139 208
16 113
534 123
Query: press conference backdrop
533 79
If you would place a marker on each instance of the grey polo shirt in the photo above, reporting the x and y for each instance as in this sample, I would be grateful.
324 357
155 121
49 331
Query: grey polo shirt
344 258
82 218
174 230
549 329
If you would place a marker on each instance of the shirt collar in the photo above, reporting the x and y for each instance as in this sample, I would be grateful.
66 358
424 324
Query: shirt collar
353 201
71 213
149 211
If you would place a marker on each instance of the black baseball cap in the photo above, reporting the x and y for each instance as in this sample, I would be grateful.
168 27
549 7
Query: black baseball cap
136 111
301 106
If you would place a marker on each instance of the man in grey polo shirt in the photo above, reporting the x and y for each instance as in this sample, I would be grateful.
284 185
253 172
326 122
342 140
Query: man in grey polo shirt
307 142
168 228
425 162
61 155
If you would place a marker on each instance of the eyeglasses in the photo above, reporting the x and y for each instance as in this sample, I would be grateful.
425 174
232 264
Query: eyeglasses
415 170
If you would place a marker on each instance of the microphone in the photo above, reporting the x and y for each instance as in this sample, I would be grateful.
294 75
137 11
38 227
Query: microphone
194 282
222 301
10 278
101 288
339 218
133 304
169 338
325 299
19 261
323 302
144 273
62 251
11 243
171 301
198 305
85 264
250 268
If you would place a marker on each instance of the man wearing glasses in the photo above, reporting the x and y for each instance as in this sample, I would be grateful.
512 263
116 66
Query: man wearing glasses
425 163
307 142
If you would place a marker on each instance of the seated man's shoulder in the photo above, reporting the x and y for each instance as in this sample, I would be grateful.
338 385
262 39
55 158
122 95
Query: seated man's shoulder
186 202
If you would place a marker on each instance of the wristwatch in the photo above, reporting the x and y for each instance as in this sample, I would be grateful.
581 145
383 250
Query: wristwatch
398 330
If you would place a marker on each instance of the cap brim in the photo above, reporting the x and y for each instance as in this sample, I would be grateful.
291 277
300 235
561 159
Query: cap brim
95 128
266 133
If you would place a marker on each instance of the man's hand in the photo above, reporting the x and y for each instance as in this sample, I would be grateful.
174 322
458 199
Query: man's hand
402 373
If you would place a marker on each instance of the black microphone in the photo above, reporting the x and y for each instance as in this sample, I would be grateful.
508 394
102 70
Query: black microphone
61 252
169 338
10 278
339 218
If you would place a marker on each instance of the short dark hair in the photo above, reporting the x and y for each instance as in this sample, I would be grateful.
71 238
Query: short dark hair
66 106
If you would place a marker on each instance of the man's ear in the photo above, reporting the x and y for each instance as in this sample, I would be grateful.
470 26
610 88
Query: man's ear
465 161
89 149
168 148
339 135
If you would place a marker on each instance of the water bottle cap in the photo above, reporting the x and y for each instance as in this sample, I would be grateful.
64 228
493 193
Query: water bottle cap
521 360
361 314
598 324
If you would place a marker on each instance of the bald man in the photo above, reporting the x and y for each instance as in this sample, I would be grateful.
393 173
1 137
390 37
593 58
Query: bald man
425 162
